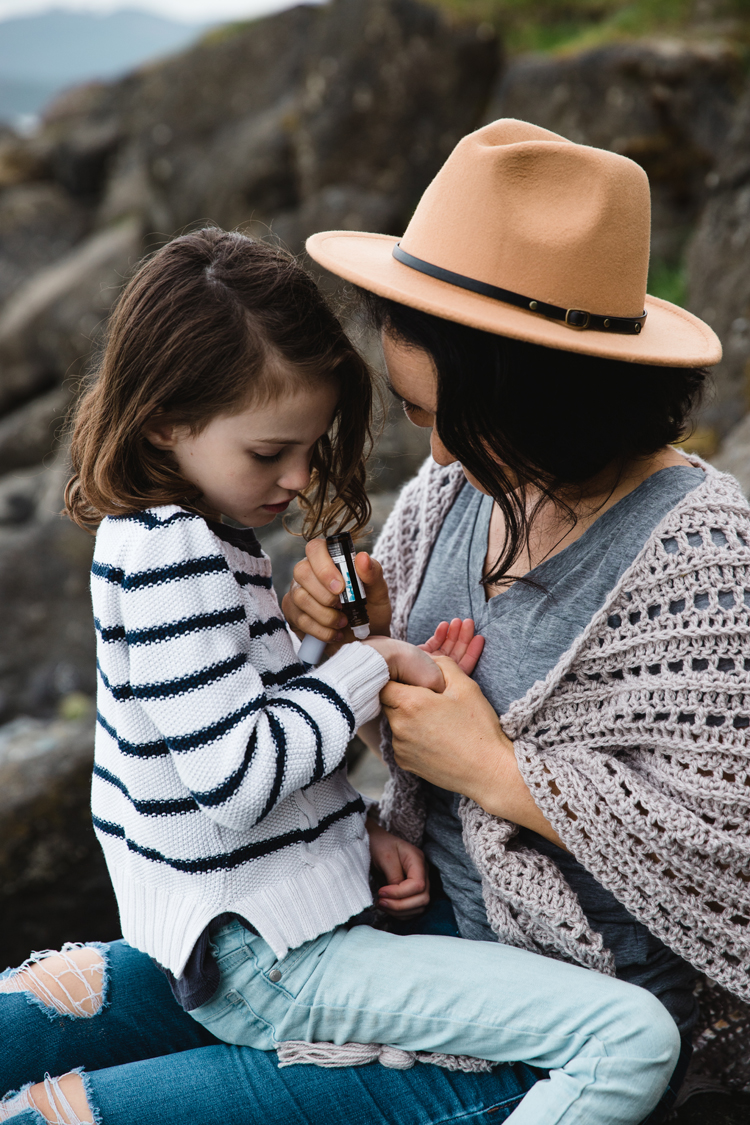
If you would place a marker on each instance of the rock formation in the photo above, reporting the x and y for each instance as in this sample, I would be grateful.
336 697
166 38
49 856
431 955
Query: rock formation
667 105
720 272
317 117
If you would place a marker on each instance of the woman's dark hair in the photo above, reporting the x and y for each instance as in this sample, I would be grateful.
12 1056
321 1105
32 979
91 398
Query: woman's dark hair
518 414
213 322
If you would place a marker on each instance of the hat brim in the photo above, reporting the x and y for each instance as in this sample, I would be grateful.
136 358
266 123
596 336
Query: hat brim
671 336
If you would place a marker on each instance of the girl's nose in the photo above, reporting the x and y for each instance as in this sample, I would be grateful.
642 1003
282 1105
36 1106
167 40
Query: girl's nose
295 478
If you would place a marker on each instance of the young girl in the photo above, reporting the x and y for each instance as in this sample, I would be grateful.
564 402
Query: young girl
236 846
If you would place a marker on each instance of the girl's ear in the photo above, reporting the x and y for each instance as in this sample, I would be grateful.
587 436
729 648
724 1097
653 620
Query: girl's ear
161 433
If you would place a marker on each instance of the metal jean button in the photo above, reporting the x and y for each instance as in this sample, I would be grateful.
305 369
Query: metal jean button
274 975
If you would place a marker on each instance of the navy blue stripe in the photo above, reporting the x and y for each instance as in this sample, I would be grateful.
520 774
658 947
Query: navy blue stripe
148 808
209 798
253 580
227 861
149 520
182 628
267 628
159 576
285 676
156 749
110 633
168 689
244 538
185 742
319 687
299 710
279 739
168 631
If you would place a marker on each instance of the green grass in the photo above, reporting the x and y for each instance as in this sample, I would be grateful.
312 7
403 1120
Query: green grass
571 25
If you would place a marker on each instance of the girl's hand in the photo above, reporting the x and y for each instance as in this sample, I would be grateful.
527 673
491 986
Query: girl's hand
407 889
312 604
456 640
408 664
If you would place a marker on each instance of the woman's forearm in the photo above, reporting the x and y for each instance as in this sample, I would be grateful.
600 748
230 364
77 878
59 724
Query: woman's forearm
503 792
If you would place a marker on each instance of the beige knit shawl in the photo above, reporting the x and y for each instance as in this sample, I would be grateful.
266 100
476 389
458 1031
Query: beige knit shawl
635 747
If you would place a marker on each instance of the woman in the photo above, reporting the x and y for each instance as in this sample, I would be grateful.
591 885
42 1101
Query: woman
607 573
529 895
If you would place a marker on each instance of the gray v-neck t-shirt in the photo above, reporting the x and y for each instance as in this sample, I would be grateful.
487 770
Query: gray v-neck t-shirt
526 630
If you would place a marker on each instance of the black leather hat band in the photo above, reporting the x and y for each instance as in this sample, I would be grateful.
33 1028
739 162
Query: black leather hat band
574 318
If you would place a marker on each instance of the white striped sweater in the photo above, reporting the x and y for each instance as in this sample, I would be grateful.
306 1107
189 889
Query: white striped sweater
219 780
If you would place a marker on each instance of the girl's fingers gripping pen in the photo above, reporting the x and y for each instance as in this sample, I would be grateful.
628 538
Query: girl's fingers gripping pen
352 597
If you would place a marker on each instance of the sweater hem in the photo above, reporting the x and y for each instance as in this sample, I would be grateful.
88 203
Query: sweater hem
324 894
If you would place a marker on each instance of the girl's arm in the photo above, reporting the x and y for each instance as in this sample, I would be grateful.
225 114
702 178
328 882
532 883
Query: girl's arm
189 669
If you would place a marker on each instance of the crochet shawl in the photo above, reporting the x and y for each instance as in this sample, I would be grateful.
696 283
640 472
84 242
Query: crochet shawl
635 746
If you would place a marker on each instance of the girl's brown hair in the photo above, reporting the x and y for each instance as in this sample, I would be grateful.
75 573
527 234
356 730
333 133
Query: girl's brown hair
212 321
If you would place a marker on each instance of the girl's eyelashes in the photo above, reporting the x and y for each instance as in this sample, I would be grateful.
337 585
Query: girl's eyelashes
267 460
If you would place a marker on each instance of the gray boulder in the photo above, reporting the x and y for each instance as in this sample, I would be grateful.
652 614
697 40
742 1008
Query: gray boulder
49 326
336 115
734 455
719 272
28 434
20 493
39 224
666 104
50 860
47 645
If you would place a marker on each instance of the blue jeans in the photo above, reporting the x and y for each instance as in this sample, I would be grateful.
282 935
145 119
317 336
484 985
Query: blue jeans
610 1046
148 1062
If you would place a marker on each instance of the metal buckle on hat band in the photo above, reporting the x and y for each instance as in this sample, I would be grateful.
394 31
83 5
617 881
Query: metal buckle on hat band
573 318
577 318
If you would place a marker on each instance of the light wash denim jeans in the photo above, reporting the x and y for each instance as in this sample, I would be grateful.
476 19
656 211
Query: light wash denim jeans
146 1062
610 1047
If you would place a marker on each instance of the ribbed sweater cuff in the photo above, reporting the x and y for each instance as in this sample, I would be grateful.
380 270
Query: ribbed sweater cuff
359 673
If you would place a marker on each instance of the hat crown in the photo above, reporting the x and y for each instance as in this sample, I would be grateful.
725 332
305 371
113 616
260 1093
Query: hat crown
521 208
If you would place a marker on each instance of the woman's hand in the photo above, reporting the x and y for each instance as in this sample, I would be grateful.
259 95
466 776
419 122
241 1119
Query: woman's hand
407 889
455 741
312 604
456 640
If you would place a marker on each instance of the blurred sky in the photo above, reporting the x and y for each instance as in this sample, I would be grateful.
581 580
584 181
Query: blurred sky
189 11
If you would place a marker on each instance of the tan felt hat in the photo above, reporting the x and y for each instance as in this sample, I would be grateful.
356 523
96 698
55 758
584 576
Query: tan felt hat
528 235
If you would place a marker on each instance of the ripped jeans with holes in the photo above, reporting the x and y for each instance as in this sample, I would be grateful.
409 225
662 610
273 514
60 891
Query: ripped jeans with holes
147 1062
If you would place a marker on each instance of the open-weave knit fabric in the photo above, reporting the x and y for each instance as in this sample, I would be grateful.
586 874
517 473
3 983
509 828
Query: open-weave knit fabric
295 1051
635 746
